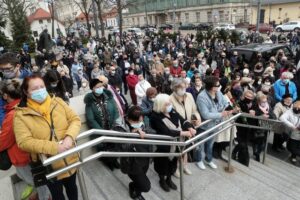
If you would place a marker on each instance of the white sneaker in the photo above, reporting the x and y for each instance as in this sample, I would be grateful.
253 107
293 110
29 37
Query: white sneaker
187 171
177 173
201 165
212 165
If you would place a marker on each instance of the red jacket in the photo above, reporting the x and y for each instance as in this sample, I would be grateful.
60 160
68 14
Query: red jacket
132 80
17 156
175 71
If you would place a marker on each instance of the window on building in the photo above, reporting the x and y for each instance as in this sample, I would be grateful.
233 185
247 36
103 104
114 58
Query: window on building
40 21
279 13
187 16
133 21
299 12
198 16
145 20
49 20
138 21
221 15
209 17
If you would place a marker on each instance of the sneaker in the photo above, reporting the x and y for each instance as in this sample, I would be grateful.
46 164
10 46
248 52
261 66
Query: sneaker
201 165
293 160
177 173
212 165
132 192
140 197
187 171
27 192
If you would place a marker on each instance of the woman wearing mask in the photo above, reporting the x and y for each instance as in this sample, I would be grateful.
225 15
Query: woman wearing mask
55 85
165 120
291 120
147 104
132 80
11 93
262 109
281 136
136 168
101 113
47 125
141 88
185 106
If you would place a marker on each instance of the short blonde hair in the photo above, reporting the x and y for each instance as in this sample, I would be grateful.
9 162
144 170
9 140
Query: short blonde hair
159 103
260 95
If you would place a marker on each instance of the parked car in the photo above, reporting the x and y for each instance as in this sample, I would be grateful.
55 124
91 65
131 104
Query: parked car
166 27
289 26
204 26
136 31
225 27
249 52
263 28
109 27
114 31
187 27
151 29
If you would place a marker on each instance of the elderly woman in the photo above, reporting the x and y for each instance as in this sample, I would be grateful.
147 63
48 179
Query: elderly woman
47 125
212 106
101 113
262 109
284 85
185 105
165 120
147 104
280 136
291 119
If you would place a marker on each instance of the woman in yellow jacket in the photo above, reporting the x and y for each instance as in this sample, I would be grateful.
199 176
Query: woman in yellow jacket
34 117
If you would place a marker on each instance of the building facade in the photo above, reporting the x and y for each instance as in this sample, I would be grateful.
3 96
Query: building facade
277 11
156 12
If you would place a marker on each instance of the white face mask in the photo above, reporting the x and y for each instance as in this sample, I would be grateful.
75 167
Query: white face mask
180 92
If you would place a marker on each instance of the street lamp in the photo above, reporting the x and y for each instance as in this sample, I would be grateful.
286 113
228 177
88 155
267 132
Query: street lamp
174 14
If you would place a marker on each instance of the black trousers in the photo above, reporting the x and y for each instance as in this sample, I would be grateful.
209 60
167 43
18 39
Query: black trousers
56 188
141 183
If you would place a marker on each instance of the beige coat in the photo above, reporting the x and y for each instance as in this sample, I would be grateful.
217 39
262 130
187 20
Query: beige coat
188 108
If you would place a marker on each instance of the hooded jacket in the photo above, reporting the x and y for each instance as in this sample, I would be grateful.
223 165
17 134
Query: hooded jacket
18 157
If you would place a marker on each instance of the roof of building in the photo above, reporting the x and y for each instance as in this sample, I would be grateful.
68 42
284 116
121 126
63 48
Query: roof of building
39 14
258 47
267 2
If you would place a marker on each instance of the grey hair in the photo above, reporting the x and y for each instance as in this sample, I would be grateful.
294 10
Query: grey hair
176 83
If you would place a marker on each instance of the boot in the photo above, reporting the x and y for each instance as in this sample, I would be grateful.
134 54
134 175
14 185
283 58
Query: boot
170 183
163 184
132 192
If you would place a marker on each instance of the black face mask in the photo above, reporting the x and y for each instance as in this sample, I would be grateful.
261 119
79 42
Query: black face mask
247 101
296 110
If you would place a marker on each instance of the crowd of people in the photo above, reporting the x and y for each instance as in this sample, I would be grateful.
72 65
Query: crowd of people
157 85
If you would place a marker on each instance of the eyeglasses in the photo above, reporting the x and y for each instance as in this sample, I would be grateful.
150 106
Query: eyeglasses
217 85
6 70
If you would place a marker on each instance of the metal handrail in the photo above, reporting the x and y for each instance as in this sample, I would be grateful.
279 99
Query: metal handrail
150 139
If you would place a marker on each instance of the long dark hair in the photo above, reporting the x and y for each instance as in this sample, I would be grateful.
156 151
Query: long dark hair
60 90
24 88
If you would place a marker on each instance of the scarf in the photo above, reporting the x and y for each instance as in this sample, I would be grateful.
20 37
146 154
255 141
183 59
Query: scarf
43 108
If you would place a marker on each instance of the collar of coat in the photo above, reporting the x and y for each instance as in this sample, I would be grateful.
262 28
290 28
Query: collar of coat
29 111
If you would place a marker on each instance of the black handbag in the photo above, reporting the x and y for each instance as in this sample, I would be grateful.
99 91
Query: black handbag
5 163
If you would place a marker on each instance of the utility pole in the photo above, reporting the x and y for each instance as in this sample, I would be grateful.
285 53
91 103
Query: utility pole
52 16
95 19
174 14
258 15
146 12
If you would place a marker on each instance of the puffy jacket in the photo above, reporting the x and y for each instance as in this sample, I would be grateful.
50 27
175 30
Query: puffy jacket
279 90
94 116
18 157
32 132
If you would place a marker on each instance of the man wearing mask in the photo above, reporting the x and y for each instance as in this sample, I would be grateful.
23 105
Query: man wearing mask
10 68
156 80
114 79
285 86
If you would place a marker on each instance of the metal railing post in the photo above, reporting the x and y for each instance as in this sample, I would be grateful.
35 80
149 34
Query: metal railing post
181 177
81 180
82 184
229 168
266 148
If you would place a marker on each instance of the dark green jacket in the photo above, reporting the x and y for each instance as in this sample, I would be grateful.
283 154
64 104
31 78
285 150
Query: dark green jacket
92 113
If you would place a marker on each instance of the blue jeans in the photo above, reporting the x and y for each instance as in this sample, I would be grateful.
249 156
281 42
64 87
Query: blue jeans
208 148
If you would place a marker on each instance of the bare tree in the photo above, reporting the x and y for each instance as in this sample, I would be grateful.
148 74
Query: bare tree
121 5
85 7
99 4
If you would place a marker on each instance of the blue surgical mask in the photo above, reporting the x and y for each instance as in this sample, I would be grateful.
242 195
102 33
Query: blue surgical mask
138 125
286 81
169 108
99 91
40 95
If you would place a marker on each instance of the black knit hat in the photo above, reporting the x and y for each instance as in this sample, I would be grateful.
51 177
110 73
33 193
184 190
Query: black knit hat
94 82
286 96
